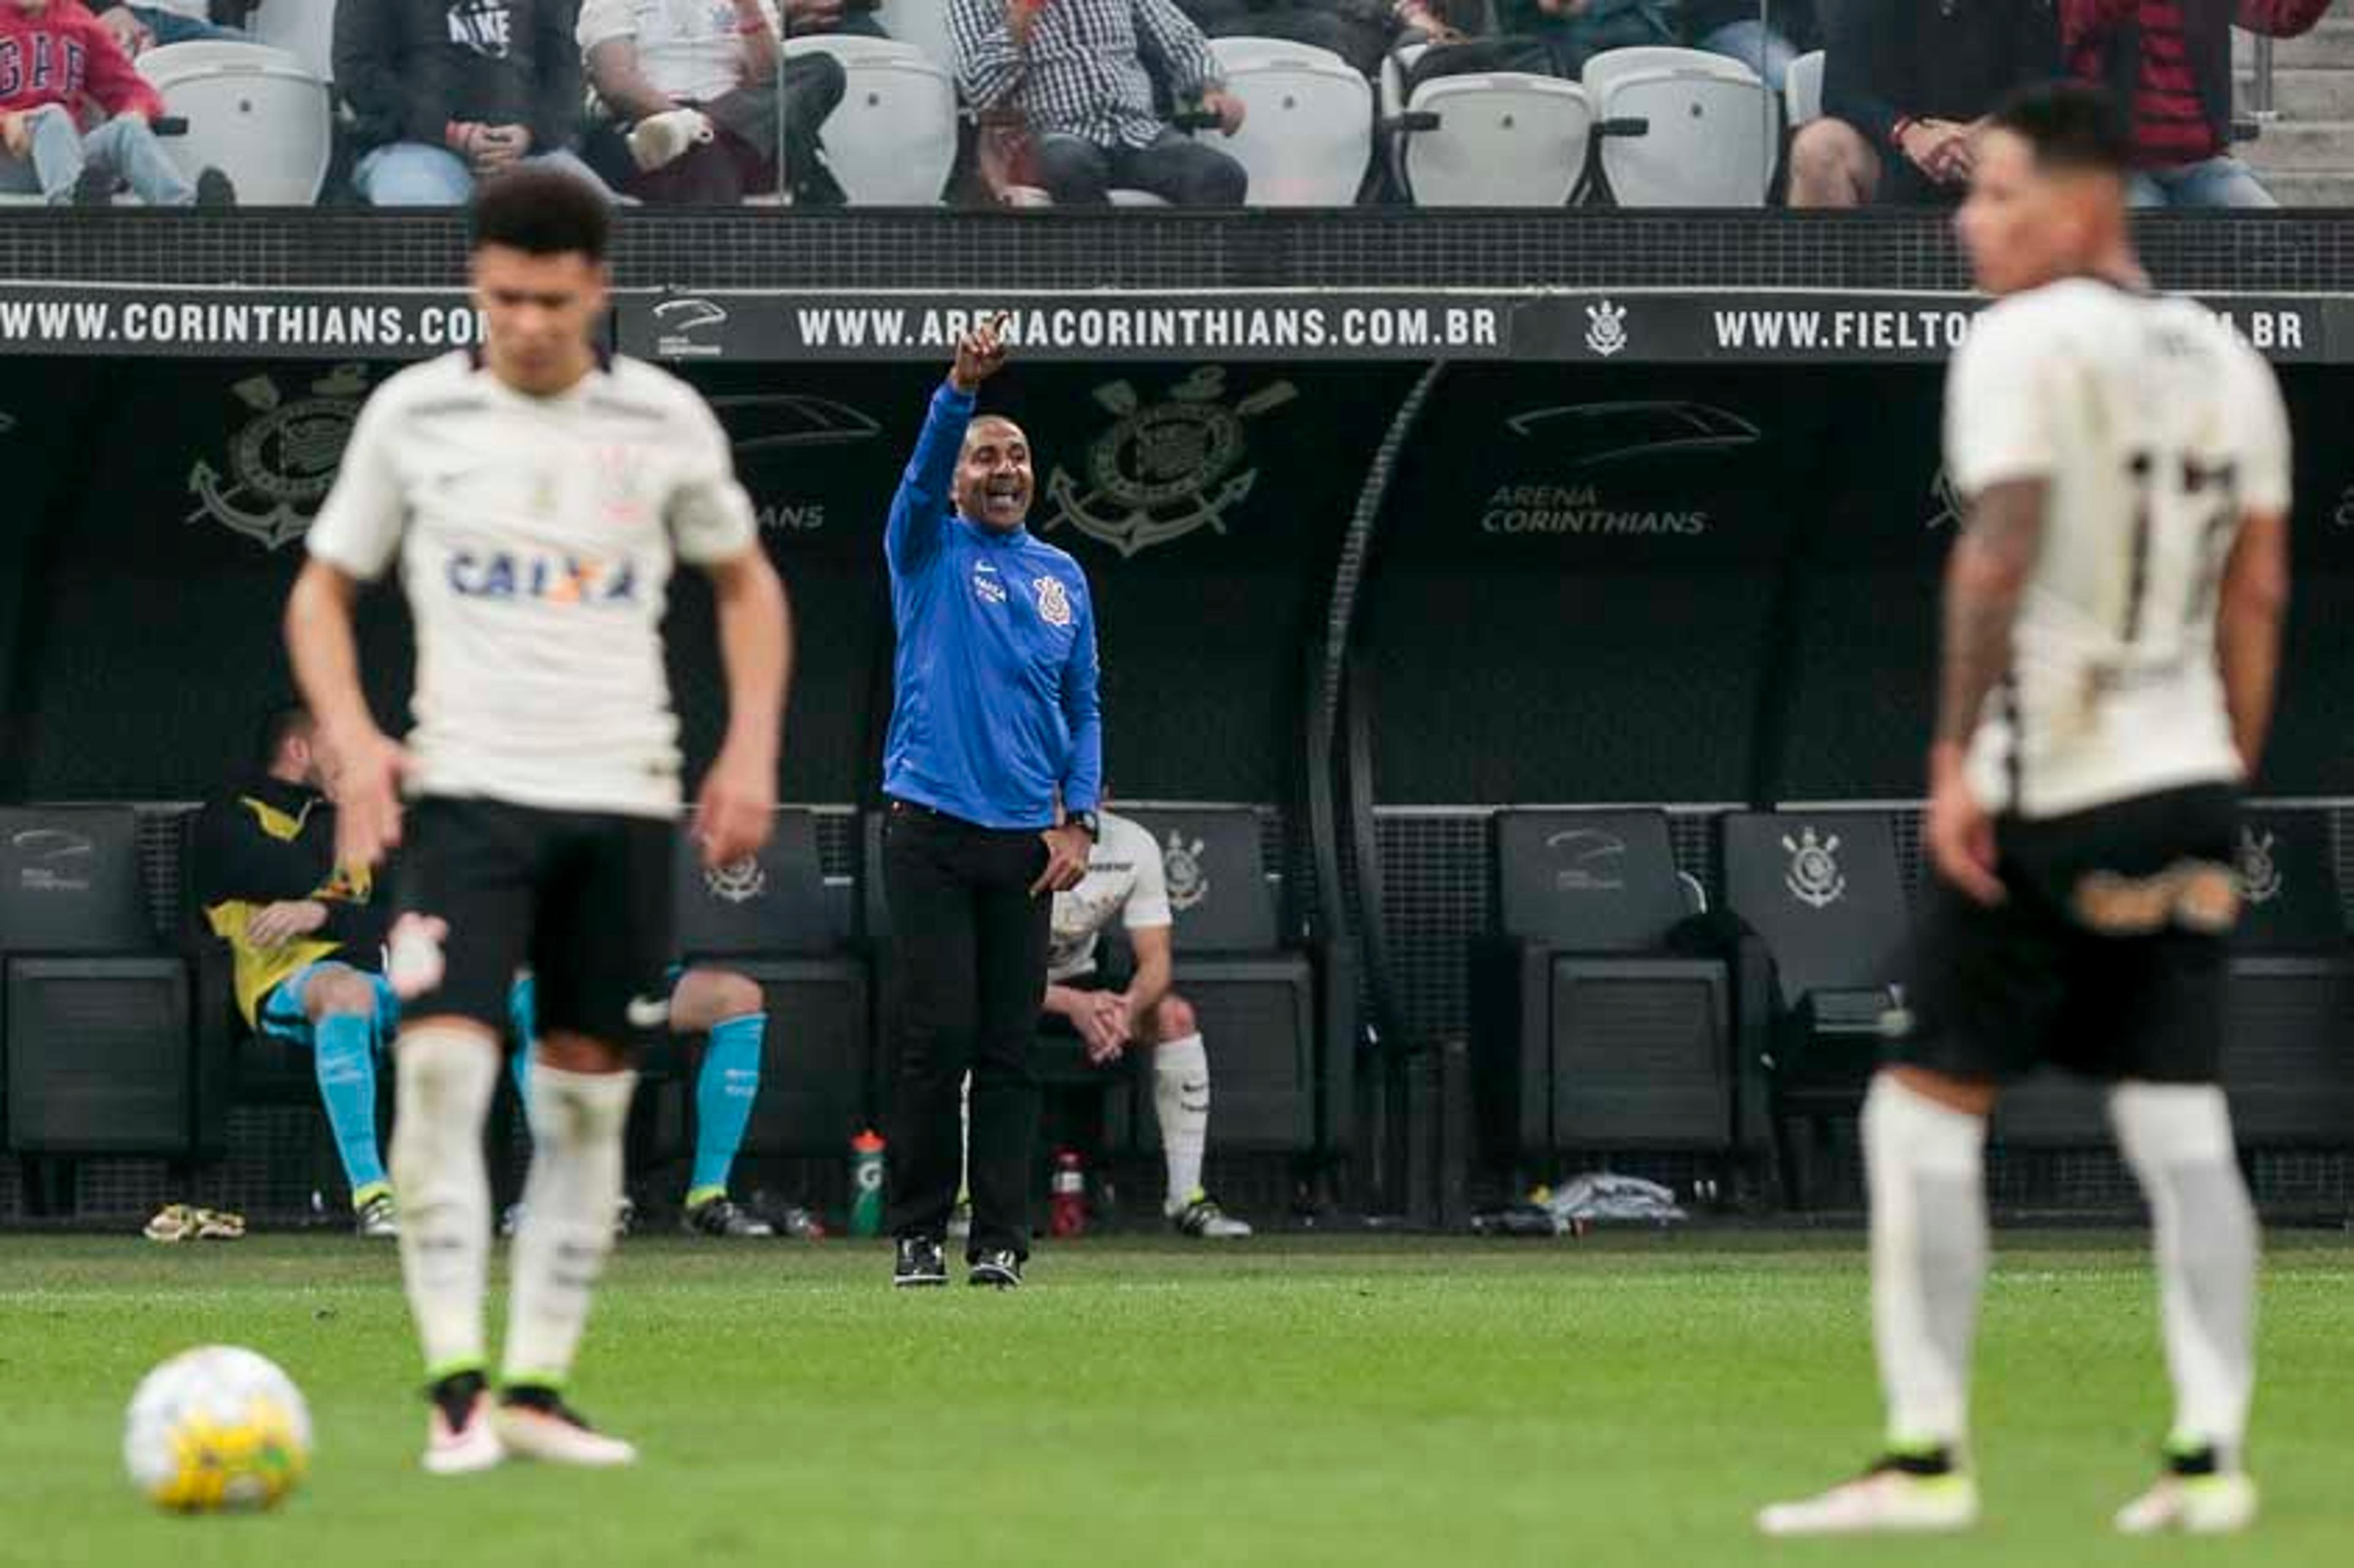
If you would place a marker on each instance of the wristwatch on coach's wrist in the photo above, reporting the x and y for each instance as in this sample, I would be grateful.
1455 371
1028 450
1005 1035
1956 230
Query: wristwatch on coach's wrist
1088 821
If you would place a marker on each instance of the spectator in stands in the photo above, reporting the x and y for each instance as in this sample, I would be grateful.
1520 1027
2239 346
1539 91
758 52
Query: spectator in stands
2170 60
61 57
1573 31
694 109
856 18
1905 83
308 937
445 92
139 29
1072 72
1360 31
1764 39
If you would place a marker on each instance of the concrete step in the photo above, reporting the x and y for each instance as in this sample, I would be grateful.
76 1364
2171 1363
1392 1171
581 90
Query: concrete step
2305 94
2302 146
2330 46
2319 189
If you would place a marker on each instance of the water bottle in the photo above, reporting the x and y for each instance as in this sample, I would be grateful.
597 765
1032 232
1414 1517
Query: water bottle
1069 1202
866 1185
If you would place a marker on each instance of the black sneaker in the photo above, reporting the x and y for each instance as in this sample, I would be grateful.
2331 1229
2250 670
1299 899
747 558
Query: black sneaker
920 1262
998 1267
721 1217
214 189
95 186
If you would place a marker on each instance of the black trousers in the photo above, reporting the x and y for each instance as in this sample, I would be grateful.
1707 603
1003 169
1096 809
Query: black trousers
969 953
1179 171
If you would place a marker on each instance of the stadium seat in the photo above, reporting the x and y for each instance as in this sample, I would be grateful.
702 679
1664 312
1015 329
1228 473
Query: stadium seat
1679 127
1500 139
1587 1032
1308 137
923 23
94 1041
1802 91
772 919
254 113
1277 1013
303 28
893 140
1824 915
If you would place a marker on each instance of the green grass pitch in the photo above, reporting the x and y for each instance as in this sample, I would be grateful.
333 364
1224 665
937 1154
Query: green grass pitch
1622 1400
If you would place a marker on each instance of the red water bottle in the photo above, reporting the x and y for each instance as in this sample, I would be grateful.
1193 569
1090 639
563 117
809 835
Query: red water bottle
1069 1204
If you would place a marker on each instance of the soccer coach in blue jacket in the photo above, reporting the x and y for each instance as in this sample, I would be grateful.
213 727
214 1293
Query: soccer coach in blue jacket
994 769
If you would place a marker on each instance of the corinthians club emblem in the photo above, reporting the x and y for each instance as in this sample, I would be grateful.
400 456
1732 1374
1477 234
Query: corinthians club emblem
1605 327
1188 883
282 463
2260 877
1166 469
737 882
1814 877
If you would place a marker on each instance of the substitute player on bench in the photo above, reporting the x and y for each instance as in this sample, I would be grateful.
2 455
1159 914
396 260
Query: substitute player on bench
537 495
1126 878
2112 632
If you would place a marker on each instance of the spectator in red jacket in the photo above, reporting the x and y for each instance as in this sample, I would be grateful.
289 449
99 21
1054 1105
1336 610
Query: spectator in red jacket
2172 61
55 58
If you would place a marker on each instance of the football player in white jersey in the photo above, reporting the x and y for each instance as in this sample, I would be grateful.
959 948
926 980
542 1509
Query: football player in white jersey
1126 877
536 496
2112 633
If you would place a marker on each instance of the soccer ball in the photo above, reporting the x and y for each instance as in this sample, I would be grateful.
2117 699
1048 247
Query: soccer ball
216 1428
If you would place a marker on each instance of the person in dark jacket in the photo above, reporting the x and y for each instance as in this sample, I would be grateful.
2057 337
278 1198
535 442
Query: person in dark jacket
2170 62
307 937
1905 84
446 92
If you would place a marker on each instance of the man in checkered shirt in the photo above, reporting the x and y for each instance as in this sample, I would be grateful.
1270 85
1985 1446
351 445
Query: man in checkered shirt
1075 72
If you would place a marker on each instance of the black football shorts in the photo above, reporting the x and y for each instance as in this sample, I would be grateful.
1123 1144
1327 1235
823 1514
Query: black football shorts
2109 958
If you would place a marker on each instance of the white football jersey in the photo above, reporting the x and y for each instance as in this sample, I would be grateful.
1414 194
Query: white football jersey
1125 877
536 538
2157 432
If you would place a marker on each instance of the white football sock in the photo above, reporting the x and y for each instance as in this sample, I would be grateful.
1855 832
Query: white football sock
1181 1095
964 1140
2177 1139
578 1121
1925 1165
446 1078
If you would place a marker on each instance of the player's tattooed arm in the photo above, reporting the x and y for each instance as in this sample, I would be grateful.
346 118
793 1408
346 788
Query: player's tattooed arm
1984 580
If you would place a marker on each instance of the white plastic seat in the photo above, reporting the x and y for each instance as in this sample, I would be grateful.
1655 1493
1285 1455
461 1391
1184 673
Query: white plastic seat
304 28
1709 128
892 141
256 113
1500 139
1307 126
1802 89
924 23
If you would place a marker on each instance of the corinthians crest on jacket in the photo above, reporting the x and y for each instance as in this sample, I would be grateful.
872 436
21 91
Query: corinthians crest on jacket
282 460
1165 468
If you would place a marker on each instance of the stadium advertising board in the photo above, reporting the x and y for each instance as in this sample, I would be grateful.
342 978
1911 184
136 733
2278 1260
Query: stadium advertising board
1706 327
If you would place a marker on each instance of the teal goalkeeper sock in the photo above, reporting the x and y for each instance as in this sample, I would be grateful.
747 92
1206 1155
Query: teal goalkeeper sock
519 1069
724 1092
344 1057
